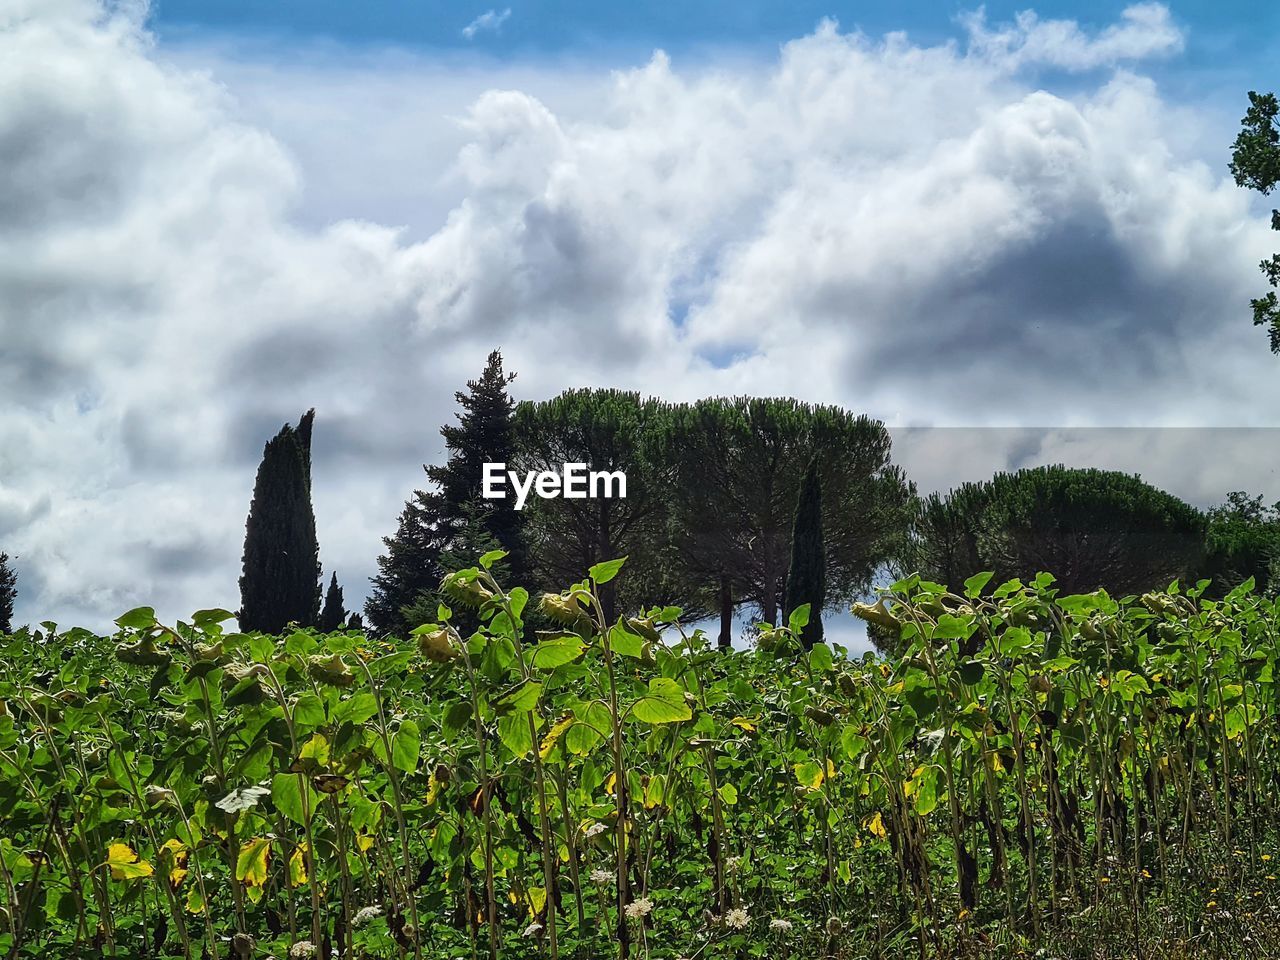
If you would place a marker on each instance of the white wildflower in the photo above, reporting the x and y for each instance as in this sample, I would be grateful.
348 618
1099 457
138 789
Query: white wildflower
779 925
303 948
639 908
732 864
737 918
601 876
594 830
364 915
533 929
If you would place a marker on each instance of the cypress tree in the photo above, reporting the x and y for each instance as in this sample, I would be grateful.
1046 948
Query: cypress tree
281 567
450 525
8 591
333 614
807 575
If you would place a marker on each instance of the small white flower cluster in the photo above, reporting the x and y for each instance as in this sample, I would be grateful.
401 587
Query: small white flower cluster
779 925
533 929
601 876
639 908
364 915
737 918
303 948
732 864
594 830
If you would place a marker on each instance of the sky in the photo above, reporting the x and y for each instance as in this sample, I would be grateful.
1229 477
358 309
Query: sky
1014 226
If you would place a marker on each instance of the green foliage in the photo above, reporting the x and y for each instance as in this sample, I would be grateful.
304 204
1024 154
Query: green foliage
1035 771
609 430
1243 542
280 583
740 464
1255 163
807 574
1093 528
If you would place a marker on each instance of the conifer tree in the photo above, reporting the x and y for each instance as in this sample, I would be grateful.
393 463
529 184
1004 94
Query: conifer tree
450 525
484 433
333 614
807 575
280 583
8 591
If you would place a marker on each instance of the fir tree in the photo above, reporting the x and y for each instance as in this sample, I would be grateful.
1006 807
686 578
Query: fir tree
333 614
807 576
484 433
451 525
410 569
281 573
8 591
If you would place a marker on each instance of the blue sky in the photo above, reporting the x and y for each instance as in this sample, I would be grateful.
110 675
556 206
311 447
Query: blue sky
1241 31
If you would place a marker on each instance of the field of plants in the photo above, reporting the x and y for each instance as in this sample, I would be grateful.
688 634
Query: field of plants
1037 775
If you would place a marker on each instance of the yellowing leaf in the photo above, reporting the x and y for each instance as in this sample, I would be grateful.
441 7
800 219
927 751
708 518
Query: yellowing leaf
553 735
125 864
195 902
251 864
176 850
610 783
364 842
809 774
743 723
298 866
537 900
875 825
433 789
317 750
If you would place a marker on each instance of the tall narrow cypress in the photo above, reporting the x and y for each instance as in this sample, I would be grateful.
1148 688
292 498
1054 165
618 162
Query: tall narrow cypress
280 583
807 576
8 591
333 614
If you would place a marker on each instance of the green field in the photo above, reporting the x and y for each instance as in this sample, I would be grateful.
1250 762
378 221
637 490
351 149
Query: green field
1037 775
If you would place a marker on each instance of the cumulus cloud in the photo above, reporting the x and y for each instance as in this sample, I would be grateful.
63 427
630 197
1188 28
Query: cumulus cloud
921 233
490 21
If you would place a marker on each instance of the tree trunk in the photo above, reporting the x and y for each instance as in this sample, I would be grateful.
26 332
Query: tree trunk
726 613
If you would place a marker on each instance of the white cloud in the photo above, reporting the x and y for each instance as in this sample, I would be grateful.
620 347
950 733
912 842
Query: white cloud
489 21
1147 30
914 232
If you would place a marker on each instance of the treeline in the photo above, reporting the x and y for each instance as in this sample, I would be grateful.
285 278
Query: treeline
751 502
708 520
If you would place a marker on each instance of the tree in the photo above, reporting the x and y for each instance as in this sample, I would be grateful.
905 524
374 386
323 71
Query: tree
450 525
1255 163
410 569
485 433
333 614
740 465
1090 528
807 574
1243 541
8 593
280 583
608 430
